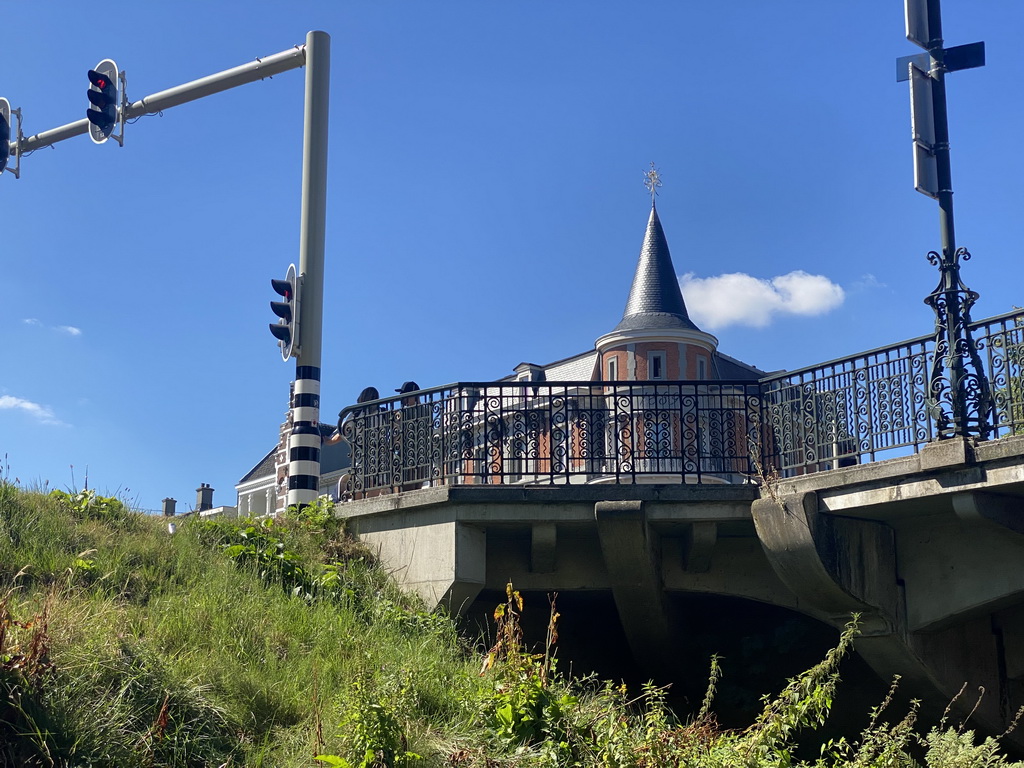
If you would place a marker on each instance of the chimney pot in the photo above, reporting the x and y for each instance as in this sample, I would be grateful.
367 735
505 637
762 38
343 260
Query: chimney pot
204 497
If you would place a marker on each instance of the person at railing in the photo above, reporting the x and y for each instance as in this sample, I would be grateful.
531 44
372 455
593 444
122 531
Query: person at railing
367 395
412 444
405 389
368 426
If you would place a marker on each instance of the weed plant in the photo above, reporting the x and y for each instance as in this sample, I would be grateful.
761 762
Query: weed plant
282 643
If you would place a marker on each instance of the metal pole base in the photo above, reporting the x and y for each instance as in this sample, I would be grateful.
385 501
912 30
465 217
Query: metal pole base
959 395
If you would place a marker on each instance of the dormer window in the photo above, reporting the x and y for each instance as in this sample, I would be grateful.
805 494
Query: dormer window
656 366
529 372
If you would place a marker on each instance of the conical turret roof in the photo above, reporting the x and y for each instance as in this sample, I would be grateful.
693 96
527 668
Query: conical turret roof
655 299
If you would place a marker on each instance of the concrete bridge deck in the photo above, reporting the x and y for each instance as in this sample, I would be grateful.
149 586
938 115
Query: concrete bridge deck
928 548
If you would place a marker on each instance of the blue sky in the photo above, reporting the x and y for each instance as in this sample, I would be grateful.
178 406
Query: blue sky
485 205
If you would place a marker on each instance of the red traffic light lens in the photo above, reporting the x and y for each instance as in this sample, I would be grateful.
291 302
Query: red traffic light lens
282 287
100 79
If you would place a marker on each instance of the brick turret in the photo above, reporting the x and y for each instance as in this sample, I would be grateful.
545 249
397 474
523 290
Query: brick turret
655 338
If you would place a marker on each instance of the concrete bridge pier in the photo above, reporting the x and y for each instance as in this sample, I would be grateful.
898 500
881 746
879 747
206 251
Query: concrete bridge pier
929 550
632 556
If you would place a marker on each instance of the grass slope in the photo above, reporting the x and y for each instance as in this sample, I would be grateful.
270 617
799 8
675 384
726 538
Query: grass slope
279 643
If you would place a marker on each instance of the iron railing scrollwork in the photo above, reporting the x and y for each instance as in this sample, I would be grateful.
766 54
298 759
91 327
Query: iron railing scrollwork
486 433
885 401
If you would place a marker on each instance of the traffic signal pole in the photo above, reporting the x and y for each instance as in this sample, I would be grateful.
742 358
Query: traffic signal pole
268 66
304 441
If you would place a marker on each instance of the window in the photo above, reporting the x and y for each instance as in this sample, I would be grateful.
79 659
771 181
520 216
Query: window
613 369
656 365
702 368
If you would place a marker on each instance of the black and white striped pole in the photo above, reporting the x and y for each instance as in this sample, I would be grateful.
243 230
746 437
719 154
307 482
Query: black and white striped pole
304 441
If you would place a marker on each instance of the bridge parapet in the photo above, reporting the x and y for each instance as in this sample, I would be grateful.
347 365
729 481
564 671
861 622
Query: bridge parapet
555 433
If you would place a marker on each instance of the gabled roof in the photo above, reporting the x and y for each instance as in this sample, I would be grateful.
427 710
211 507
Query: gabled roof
267 465
576 368
655 299
731 368
264 468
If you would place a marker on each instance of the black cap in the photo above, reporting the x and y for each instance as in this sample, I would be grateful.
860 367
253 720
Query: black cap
409 386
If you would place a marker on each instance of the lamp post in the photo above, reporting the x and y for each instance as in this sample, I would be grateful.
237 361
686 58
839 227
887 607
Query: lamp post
959 396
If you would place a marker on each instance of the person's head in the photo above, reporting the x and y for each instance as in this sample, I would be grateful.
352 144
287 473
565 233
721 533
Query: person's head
407 387
368 394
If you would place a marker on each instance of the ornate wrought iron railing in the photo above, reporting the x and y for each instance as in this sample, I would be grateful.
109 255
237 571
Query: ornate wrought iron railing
473 433
847 411
1000 344
878 403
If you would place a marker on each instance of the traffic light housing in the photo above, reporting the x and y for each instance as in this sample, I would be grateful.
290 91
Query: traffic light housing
10 128
286 329
5 133
103 96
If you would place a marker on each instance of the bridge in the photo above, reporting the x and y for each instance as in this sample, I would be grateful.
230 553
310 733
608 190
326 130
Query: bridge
835 489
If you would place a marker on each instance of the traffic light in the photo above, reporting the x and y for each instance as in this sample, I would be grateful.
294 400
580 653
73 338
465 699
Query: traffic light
5 133
102 95
286 330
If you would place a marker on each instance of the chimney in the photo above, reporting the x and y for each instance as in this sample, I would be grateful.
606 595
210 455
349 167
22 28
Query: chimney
169 507
204 497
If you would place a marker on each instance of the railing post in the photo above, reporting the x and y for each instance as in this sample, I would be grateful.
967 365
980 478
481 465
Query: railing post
959 395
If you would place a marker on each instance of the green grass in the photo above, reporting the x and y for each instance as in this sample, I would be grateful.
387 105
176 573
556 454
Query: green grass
271 643
165 652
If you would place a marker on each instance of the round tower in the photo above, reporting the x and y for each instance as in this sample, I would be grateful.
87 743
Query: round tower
655 340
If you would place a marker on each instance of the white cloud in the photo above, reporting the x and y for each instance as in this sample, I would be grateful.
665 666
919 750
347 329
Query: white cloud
867 282
70 330
740 299
41 412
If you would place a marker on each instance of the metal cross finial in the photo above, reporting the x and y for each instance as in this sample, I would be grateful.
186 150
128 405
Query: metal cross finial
652 181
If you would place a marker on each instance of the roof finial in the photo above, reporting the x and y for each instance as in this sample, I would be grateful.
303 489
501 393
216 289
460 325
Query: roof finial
652 180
